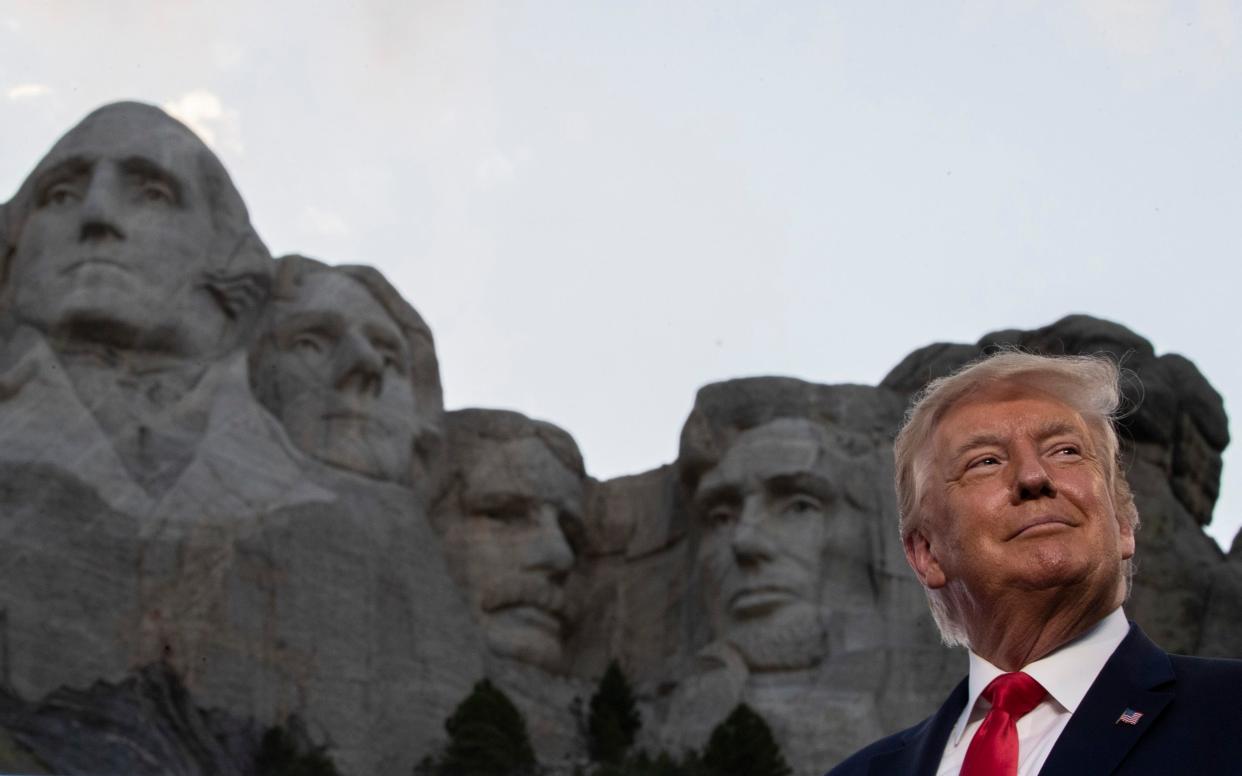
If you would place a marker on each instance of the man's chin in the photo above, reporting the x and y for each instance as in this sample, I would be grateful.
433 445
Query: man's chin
525 636
788 639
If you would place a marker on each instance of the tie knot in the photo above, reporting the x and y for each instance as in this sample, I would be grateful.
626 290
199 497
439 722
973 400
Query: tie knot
1015 694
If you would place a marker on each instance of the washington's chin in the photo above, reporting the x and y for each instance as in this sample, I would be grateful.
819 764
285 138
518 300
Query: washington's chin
112 306
527 634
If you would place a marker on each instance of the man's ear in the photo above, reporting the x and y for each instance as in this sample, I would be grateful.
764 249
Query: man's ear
1126 531
921 556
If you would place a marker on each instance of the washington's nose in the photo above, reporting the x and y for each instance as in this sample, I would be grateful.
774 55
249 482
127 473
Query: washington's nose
360 367
99 211
751 545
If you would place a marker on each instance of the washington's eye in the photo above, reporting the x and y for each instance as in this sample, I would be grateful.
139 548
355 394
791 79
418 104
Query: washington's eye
61 194
156 191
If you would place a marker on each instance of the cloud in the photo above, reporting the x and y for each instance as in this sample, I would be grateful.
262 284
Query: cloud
323 222
203 112
27 91
1159 38
496 168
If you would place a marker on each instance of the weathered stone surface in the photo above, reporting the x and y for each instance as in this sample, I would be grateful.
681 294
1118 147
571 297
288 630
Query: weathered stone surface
511 516
797 585
153 510
239 471
146 724
350 369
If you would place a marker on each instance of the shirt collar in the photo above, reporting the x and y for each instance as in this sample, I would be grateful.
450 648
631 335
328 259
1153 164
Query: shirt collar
1066 674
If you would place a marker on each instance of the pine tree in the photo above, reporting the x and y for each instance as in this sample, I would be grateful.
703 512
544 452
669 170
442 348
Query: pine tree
743 745
282 753
614 719
487 737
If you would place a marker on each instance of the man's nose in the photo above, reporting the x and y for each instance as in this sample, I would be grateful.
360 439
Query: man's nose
360 367
100 216
549 551
1031 479
751 544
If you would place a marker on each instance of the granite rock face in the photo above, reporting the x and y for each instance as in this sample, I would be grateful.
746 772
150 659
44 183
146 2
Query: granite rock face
230 497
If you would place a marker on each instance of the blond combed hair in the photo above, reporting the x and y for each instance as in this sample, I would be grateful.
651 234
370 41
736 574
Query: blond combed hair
1090 385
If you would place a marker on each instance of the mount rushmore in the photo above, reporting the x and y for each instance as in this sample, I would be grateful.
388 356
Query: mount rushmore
230 496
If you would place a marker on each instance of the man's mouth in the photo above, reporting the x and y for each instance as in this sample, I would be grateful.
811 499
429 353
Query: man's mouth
1042 525
96 261
533 617
760 599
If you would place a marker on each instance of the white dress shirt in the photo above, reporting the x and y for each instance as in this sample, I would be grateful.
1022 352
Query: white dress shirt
1066 674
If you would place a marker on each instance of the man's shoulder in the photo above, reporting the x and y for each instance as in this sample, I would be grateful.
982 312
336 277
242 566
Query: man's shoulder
1210 675
860 761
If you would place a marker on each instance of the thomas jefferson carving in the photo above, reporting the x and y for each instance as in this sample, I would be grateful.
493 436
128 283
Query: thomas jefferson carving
350 369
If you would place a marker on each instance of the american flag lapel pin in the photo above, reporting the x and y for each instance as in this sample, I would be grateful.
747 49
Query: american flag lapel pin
1129 716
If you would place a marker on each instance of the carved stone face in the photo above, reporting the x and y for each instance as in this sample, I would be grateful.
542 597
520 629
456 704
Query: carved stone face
763 512
509 547
119 237
336 371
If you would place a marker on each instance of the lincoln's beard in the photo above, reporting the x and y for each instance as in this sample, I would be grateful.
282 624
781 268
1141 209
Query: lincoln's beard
787 641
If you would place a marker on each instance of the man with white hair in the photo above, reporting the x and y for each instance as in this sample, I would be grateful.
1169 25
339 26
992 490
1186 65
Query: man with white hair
1019 524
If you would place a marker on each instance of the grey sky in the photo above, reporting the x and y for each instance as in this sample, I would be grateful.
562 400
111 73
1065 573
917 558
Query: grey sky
599 207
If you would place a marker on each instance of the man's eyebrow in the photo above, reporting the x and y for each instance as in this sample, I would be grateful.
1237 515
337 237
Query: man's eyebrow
323 320
978 440
141 165
1057 428
712 492
800 482
71 166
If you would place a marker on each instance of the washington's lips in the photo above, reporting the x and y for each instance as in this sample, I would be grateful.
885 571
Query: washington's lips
96 261
1037 525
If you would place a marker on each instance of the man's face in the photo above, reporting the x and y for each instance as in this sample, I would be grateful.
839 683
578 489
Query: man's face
1017 500
337 374
764 516
509 547
119 237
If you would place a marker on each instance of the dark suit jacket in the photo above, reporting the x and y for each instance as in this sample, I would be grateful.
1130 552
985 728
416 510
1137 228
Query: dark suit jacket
1191 723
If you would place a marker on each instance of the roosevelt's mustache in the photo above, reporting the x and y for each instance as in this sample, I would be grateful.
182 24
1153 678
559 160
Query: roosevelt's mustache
519 590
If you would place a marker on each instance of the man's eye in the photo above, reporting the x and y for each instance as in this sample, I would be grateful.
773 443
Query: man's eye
508 515
800 505
1068 450
987 460
157 192
720 516
307 343
61 194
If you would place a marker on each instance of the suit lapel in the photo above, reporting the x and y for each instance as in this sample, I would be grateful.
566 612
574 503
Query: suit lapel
920 756
1138 677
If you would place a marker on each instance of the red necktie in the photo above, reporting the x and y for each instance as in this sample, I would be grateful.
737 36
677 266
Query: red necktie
994 749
